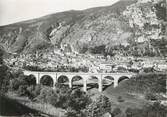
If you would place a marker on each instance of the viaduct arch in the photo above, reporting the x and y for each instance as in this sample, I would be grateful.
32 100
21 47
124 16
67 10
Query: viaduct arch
70 77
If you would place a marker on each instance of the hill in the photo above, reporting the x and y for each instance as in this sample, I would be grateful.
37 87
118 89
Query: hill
108 28
138 91
91 27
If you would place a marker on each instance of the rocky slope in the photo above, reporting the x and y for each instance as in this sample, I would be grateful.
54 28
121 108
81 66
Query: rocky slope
92 27
78 31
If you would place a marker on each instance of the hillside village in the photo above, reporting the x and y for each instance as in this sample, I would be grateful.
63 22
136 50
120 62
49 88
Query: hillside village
58 59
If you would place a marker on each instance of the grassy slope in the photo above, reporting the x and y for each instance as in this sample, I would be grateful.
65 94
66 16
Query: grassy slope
40 109
10 107
132 91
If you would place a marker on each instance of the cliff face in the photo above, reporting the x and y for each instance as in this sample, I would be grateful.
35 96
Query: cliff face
82 30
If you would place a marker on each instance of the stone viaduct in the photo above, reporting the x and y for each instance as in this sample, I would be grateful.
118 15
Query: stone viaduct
114 77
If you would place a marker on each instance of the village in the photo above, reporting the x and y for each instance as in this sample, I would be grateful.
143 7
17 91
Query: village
94 63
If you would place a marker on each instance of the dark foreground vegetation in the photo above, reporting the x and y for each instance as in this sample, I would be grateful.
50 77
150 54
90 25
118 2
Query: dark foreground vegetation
10 107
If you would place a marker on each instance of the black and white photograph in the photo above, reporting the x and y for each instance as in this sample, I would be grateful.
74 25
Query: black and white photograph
83 58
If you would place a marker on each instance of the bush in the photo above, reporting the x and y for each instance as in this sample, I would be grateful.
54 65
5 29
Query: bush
5 76
149 69
46 94
150 96
31 80
23 85
78 100
63 96
14 84
17 82
116 112
22 91
57 97
33 91
121 69
120 99
135 112
36 91
73 113
99 107
155 110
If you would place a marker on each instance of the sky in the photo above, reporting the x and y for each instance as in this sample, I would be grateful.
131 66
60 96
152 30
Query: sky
12 11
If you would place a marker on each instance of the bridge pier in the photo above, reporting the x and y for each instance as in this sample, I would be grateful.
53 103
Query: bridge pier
85 85
70 83
54 81
116 81
100 84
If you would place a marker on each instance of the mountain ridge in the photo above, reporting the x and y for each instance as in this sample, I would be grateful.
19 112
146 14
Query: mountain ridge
81 30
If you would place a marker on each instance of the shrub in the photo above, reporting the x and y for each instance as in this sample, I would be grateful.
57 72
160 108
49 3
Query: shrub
135 112
33 91
63 94
31 80
120 99
116 111
14 84
78 100
45 94
5 76
22 91
99 107
17 73
17 82
37 90
57 97
121 69
150 96
149 69
155 110
133 70
73 113
30 91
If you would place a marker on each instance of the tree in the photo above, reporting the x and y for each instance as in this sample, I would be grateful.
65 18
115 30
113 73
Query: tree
78 100
155 110
22 91
33 91
14 84
31 80
5 76
116 112
135 112
73 113
1 56
99 107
